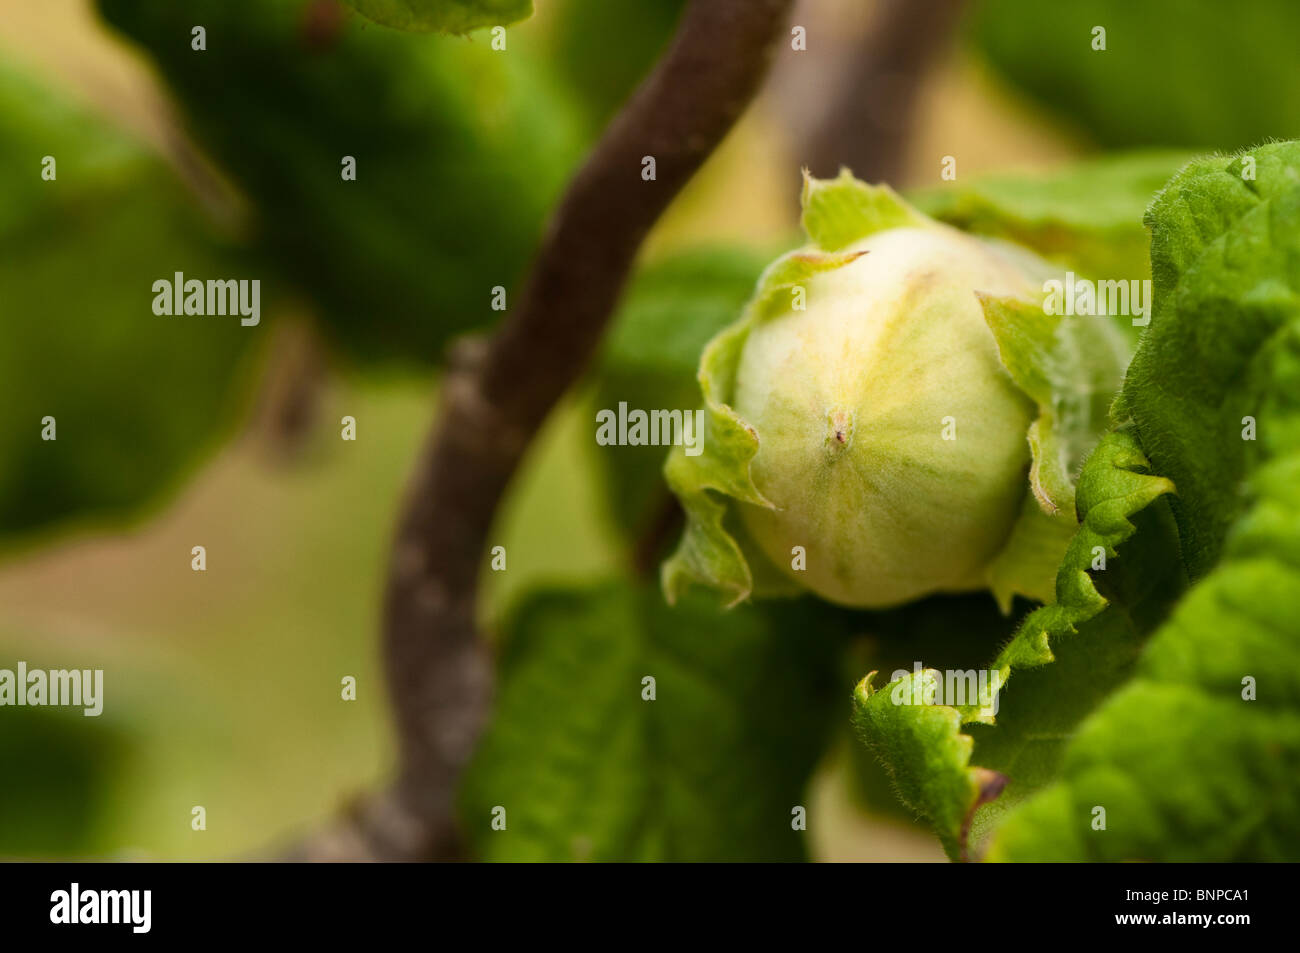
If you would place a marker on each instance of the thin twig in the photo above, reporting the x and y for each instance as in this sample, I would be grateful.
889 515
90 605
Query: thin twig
496 396
867 120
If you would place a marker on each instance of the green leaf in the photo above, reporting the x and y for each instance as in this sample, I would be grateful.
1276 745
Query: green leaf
60 809
711 769
136 398
1221 245
1036 718
925 753
443 16
923 745
600 74
1086 216
651 355
949 630
1115 485
1199 756
460 152
1184 767
1225 83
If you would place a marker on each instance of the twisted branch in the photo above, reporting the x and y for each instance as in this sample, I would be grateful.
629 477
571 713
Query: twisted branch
495 397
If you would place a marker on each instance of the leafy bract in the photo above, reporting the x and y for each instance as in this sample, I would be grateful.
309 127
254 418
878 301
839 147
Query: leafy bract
1165 72
459 152
593 761
1071 369
131 399
838 212
670 311
1199 756
918 734
443 16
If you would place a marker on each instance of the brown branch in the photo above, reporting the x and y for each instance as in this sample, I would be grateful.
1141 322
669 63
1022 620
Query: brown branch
496 396
867 122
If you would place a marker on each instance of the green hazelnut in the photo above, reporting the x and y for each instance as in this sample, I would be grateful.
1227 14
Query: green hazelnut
894 415
891 440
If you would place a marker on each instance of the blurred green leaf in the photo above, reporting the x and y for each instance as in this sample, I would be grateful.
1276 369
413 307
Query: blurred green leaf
1087 216
135 397
445 16
460 151
61 770
711 769
1174 73
600 73
652 353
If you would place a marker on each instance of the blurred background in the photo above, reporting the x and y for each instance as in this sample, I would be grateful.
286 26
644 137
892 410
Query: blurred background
223 687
